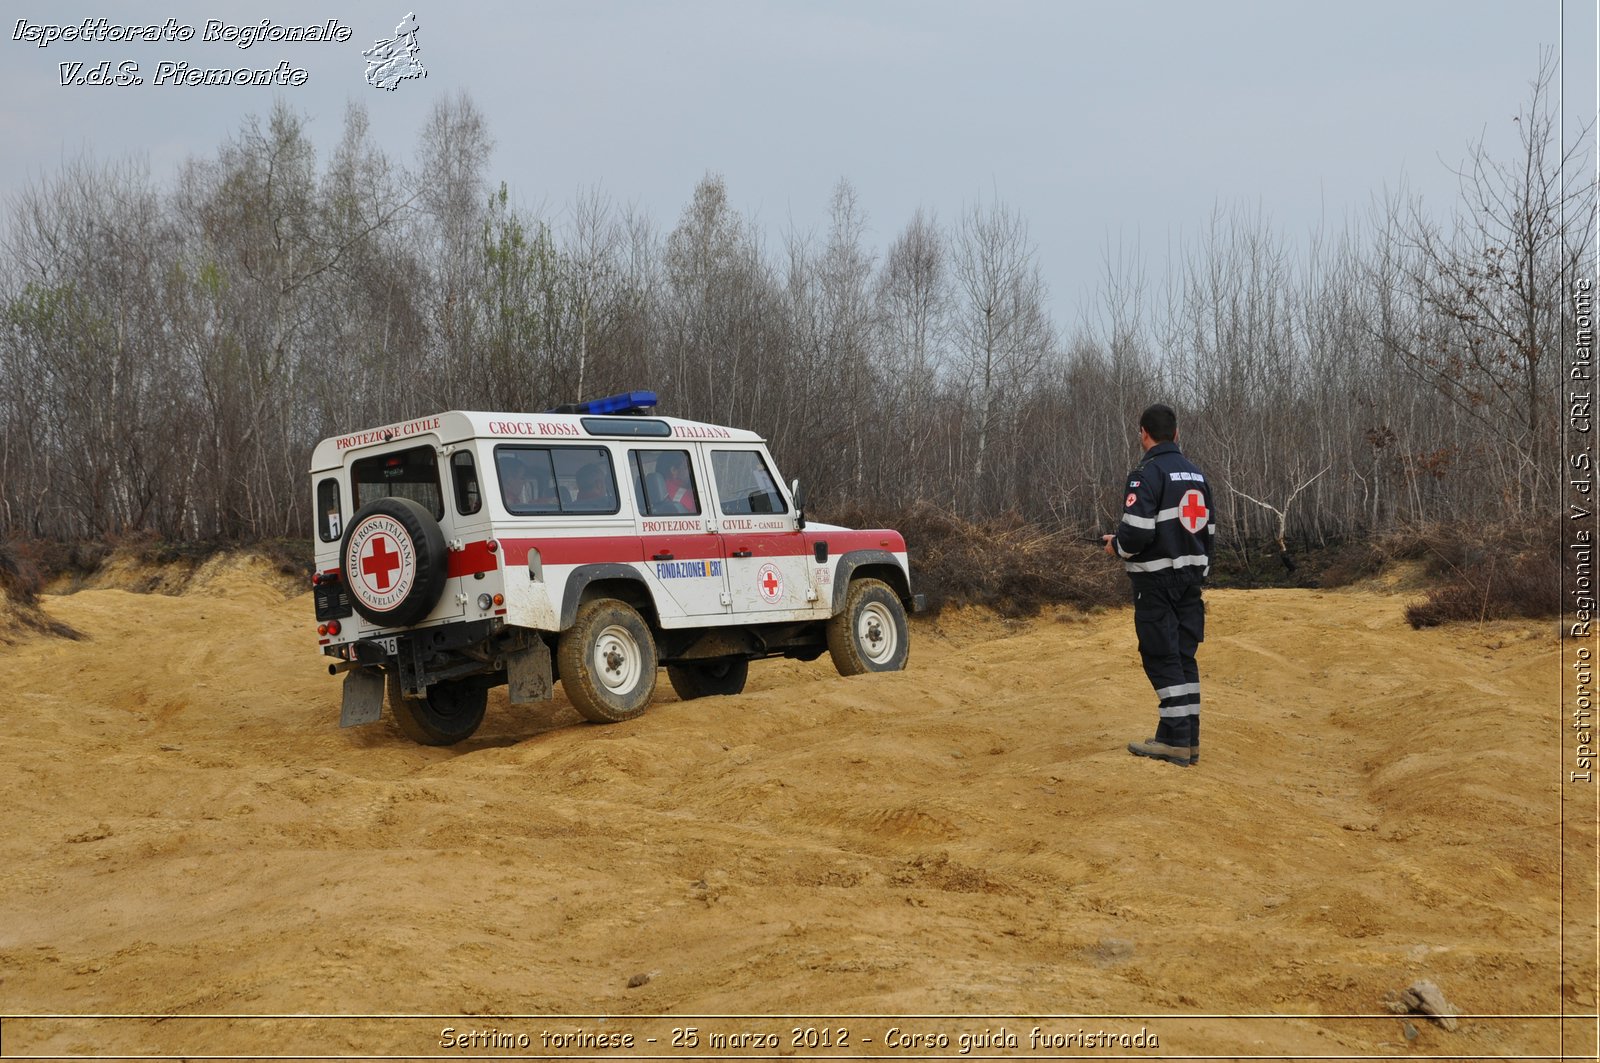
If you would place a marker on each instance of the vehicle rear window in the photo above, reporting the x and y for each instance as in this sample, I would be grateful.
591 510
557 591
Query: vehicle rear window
412 474
328 523
464 475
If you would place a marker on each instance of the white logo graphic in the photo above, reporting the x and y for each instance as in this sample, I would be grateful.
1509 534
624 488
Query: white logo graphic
769 583
384 563
1192 511
393 61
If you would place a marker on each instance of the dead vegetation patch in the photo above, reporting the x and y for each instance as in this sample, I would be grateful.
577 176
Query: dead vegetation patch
1492 574
1003 563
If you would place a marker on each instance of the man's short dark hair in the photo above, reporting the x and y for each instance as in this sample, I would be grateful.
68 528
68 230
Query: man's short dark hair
1159 422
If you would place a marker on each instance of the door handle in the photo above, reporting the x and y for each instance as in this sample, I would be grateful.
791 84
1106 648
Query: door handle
665 555
741 553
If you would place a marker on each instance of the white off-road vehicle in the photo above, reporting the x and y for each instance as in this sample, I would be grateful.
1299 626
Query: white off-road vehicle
591 544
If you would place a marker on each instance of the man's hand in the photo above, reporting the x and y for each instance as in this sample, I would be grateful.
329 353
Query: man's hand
1110 540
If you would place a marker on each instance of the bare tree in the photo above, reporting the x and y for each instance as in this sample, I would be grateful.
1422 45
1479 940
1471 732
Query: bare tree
1489 286
913 303
592 241
1003 330
452 160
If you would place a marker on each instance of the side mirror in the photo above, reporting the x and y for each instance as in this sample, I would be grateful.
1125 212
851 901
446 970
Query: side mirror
798 493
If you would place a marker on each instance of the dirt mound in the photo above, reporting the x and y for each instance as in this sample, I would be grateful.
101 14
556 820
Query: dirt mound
190 832
155 569
20 615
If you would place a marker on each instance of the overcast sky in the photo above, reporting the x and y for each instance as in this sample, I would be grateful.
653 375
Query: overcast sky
1101 123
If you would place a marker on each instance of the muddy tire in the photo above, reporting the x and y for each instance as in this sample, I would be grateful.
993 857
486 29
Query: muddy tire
706 680
870 635
451 712
607 662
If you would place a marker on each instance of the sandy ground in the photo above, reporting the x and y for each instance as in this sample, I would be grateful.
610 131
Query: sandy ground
964 847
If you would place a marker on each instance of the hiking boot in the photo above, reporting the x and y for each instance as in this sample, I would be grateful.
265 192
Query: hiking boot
1179 755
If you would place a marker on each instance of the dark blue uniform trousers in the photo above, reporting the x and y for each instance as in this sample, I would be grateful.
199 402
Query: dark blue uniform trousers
1171 624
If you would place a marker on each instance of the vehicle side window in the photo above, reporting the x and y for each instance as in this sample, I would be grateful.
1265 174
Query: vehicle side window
464 475
744 483
588 483
663 481
328 523
535 480
527 480
412 474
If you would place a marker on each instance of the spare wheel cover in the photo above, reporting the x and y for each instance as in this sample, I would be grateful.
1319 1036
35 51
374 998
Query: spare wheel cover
394 562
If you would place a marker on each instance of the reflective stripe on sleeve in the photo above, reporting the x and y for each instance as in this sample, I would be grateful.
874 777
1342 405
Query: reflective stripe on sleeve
1140 522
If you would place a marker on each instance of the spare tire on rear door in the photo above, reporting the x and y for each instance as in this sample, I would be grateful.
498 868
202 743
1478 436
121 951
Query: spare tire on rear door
394 561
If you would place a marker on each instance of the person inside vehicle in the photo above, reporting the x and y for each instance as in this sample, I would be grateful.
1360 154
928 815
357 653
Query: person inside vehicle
529 482
594 492
677 484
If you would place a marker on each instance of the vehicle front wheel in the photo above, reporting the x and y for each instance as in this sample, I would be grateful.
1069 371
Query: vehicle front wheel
870 635
451 712
607 662
703 680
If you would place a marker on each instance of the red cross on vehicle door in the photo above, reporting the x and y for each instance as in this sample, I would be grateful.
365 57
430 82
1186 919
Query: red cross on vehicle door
769 559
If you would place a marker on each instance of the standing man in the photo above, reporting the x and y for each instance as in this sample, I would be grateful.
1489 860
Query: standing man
1165 542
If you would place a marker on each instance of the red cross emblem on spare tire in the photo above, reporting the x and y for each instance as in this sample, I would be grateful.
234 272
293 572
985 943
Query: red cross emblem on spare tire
394 562
379 559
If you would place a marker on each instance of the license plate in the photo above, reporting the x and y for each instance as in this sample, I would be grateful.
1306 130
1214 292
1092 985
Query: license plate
390 643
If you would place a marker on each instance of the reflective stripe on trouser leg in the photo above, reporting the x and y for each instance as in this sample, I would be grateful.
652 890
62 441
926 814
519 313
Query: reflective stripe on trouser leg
1191 610
1156 620
1180 700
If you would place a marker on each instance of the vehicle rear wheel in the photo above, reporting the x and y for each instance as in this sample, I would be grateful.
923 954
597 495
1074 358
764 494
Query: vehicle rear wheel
711 678
870 635
451 712
607 661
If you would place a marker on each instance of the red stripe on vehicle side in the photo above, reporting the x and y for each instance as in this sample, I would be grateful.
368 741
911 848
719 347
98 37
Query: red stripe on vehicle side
472 559
579 550
871 539
688 546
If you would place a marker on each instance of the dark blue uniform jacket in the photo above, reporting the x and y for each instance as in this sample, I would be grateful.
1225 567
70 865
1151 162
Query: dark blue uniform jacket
1168 524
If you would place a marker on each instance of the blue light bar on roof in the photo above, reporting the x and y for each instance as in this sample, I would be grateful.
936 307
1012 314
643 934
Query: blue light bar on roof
627 402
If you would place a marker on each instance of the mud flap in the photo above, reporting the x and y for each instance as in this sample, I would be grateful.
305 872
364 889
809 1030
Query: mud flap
363 697
528 674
